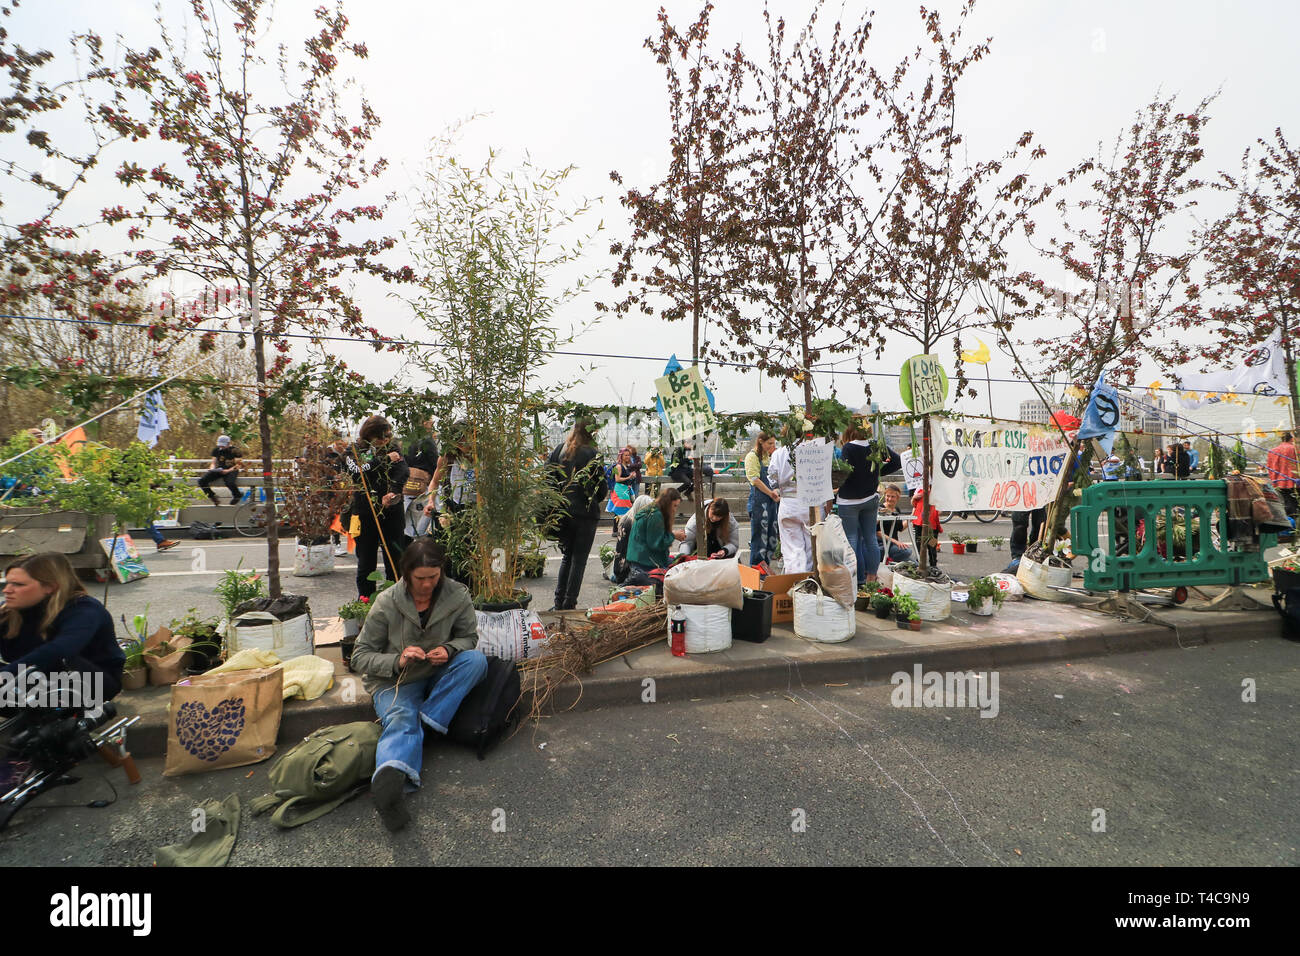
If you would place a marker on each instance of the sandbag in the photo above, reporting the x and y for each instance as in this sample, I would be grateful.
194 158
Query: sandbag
1011 588
837 567
223 720
708 627
260 630
312 559
1038 580
515 635
934 598
820 617
705 582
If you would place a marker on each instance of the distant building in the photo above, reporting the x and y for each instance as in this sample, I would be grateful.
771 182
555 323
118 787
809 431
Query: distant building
1036 411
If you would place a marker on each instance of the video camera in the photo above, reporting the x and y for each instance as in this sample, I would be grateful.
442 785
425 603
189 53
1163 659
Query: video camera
51 741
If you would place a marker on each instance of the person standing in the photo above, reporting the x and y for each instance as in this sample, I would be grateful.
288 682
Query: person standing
636 467
859 499
923 535
376 464
621 495
792 515
763 501
422 459
335 456
1193 456
1022 534
225 470
1282 471
579 474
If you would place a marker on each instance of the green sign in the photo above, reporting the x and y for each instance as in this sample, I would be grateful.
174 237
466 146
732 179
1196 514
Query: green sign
923 384
686 405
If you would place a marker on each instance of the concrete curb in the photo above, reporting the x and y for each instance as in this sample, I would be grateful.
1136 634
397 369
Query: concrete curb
622 682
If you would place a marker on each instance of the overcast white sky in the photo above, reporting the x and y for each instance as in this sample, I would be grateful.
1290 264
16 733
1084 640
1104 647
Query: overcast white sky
570 83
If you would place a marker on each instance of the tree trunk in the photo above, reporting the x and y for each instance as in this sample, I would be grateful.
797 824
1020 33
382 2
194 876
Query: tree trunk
1289 360
264 430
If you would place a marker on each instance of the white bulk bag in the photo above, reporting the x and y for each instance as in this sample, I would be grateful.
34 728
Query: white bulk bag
1039 579
705 582
819 617
515 635
935 599
1011 588
837 566
287 639
312 559
708 627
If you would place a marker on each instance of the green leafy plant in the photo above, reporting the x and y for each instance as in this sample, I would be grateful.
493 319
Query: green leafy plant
236 587
982 588
35 472
959 538
997 542
881 601
906 606
355 610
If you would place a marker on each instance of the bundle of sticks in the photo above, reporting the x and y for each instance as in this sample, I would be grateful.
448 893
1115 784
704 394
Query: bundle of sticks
578 646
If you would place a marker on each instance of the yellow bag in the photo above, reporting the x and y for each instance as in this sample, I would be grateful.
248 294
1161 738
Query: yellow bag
354 527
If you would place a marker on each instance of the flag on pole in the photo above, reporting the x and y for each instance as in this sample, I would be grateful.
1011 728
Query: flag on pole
153 419
981 356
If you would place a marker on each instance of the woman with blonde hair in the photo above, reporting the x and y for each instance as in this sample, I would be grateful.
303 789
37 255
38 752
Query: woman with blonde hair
764 500
51 624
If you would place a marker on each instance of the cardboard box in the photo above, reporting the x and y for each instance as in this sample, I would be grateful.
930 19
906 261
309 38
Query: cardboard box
779 585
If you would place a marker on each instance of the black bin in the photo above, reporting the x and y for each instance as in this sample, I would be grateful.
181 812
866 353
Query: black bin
753 622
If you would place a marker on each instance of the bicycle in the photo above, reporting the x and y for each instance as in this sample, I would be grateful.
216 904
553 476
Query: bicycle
251 517
984 517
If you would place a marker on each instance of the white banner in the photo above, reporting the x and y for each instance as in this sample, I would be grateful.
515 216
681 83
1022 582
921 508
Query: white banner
986 466
912 470
812 463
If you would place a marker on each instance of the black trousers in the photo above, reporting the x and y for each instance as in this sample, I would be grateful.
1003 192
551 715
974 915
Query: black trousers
1021 534
369 547
214 476
577 537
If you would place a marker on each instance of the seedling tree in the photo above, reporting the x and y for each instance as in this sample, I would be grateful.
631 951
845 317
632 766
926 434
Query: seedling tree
1133 277
686 227
486 248
256 188
943 222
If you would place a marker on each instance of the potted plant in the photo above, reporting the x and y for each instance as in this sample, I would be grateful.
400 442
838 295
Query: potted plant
931 588
205 649
972 545
840 471
865 593
958 541
906 610
236 587
1286 575
984 596
997 542
882 602
134 673
485 248
314 492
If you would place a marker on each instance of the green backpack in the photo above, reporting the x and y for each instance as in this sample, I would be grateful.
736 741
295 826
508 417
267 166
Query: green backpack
329 767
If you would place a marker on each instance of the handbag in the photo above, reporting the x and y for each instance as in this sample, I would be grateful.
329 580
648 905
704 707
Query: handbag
223 720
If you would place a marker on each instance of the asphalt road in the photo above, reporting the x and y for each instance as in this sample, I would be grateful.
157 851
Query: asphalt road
1185 771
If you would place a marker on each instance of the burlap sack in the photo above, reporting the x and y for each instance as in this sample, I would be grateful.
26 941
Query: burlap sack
223 720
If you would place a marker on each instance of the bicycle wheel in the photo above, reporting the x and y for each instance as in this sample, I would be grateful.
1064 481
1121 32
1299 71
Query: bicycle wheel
946 516
987 517
250 519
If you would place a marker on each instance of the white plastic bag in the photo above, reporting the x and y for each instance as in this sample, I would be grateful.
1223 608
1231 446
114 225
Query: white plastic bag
708 627
819 617
1038 580
1009 586
313 559
837 566
262 632
934 599
885 576
705 582
515 635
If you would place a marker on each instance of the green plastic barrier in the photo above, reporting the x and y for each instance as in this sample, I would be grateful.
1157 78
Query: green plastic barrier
1106 522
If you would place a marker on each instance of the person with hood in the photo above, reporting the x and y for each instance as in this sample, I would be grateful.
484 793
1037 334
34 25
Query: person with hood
224 470
418 655
723 532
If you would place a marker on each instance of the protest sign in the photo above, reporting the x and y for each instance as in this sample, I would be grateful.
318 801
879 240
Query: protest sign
686 404
986 466
913 469
923 384
812 463
123 558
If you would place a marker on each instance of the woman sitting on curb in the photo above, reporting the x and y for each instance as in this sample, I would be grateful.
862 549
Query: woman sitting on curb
723 531
417 653
652 535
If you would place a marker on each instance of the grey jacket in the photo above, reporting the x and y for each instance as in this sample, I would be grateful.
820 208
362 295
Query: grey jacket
393 625
730 542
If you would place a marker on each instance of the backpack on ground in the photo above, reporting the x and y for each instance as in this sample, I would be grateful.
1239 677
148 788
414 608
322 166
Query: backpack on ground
330 767
489 710
1290 612
203 531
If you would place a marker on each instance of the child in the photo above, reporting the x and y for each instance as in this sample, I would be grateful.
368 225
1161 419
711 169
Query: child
933 546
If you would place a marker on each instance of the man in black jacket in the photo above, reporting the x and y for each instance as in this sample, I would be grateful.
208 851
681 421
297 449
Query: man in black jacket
578 473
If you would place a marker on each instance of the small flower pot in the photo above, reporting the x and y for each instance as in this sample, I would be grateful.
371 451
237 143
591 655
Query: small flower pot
972 546
135 678
958 548
863 603
346 647
351 628
884 612
914 625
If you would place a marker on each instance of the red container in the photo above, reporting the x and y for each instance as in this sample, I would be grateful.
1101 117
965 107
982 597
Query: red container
678 638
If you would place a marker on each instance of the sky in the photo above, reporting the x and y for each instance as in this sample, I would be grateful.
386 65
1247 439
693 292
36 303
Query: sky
570 83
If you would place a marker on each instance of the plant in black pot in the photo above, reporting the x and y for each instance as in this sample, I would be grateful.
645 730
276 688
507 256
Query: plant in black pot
207 647
882 603
906 610
353 614
1286 575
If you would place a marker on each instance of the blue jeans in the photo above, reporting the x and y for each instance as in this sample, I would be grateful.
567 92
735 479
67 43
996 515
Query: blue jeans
764 533
430 702
860 529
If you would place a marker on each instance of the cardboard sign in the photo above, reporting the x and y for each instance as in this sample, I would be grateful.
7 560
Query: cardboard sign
812 468
923 384
686 404
124 558
985 466
913 470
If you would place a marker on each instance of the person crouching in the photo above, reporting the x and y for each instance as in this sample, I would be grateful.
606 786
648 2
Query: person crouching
417 654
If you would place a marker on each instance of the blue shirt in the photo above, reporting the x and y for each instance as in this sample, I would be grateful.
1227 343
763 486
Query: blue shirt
83 629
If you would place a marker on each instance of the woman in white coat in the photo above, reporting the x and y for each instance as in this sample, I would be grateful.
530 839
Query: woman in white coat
792 515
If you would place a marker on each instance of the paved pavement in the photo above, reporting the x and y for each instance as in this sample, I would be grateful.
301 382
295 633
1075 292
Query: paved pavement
1183 771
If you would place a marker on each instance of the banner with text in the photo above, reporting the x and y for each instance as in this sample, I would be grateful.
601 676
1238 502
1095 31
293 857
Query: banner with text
685 404
987 466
